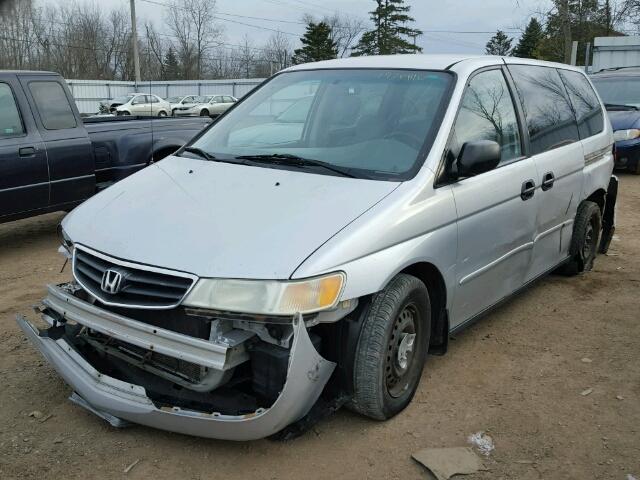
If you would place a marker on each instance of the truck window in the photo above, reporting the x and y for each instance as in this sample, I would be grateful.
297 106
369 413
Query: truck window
487 113
10 122
550 119
53 105
585 103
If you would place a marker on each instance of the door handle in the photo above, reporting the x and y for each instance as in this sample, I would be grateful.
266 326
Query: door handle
528 190
27 151
548 180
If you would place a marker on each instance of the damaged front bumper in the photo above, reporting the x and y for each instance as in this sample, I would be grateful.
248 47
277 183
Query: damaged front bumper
117 400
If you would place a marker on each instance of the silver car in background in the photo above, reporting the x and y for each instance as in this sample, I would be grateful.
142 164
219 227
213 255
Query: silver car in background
182 101
143 105
310 248
207 106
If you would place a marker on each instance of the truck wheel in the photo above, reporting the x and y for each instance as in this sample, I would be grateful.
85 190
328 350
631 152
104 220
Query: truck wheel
392 348
585 239
204 113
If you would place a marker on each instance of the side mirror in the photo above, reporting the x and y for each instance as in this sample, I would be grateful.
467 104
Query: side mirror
478 157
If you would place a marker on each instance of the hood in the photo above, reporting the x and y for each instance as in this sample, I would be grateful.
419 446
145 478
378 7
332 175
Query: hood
221 220
624 120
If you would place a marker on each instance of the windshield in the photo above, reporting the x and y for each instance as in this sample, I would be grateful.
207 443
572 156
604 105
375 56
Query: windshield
373 123
623 90
123 99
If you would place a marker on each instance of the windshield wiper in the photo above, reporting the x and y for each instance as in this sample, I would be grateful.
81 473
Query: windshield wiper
201 153
296 161
620 106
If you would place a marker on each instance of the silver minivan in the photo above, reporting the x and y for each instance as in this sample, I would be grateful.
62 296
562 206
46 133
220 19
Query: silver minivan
326 234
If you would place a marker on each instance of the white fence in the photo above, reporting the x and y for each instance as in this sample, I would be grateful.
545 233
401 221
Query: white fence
88 93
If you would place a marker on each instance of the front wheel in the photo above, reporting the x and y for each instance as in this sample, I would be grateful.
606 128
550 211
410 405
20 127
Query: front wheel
162 113
392 348
204 113
585 239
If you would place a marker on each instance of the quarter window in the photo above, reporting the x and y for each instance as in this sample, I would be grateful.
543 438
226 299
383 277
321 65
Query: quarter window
585 103
10 122
53 105
550 118
487 113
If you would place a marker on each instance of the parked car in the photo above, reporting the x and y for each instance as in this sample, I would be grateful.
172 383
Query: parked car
181 101
109 106
144 105
619 88
234 291
52 159
207 106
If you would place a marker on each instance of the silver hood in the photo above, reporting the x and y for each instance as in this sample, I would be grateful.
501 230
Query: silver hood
219 219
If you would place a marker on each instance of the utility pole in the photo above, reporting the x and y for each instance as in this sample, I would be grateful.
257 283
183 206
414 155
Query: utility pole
134 41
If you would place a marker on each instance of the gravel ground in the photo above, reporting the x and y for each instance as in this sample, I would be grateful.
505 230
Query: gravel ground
517 375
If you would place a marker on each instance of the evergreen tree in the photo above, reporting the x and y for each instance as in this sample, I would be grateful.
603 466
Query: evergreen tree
316 44
388 37
499 44
171 67
530 40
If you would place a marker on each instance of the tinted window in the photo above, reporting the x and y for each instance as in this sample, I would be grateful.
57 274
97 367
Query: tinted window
10 123
585 103
550 119
53 105
487 113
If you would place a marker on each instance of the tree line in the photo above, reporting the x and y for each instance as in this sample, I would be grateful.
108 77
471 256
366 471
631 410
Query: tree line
550 34
81 40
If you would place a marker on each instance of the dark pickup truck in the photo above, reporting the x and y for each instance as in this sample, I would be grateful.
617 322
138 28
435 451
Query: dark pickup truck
52 159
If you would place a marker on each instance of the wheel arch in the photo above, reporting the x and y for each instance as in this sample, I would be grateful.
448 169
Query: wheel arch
599 197
429 274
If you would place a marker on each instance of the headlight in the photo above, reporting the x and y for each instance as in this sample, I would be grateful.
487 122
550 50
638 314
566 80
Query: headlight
268 297
66 248
619 135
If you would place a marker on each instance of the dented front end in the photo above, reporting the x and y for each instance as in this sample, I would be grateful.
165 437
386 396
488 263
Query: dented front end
187 371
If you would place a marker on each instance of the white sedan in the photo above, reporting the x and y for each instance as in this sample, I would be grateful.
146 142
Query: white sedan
207 106
144 105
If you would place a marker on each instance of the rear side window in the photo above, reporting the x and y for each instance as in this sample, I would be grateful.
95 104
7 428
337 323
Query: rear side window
550 119
585 103
53 105
10 122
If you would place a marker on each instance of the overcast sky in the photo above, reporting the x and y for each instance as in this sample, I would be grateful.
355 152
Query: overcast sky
432 16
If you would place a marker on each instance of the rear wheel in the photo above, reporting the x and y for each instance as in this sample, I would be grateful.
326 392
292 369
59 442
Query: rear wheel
392 348
124 112
162 113
204 113
585 239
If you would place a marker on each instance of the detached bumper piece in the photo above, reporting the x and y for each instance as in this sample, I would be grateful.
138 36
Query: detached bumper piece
120 393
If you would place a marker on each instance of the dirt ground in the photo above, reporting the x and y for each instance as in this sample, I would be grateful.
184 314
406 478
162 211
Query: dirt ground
518 375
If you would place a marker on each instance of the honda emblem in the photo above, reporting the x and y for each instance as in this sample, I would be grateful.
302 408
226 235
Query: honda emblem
111 281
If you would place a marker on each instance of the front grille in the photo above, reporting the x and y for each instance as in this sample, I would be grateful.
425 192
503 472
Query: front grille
139 286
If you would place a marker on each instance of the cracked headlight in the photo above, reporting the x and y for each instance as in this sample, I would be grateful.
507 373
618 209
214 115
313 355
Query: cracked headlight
620 135
268 297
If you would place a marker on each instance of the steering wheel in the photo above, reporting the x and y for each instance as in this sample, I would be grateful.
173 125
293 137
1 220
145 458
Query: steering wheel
406 138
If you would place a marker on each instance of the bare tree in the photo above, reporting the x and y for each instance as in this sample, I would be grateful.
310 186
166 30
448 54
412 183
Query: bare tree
345 31
278 51
192 23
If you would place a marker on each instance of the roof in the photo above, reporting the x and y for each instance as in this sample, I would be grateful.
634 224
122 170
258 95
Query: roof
419 62
26 72
411 61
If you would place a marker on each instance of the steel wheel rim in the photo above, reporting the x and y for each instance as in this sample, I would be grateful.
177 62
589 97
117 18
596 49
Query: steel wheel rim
401 351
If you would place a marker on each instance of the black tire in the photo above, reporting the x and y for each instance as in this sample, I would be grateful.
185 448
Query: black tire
124 112
382 386
204 113
636 170
585 239
173 112
162 113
